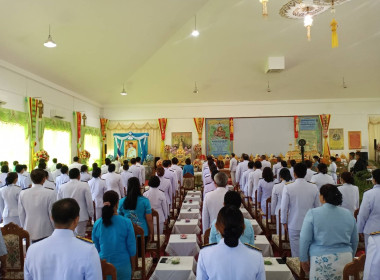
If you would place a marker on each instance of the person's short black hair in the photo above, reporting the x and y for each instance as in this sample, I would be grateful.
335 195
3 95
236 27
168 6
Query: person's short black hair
232 155
251 164
347 177
258 164
107 161
41 160
125 161
15 162
111 168
11 177
138 159
76 159
293 162
55 160
322 168
358 154
83 168
285 174
308 163
65 211
25 167
19 168
4 169
133 161
300 170
94 165
64 169
213 173
37 176
352 154
175 160
284 163
96 172
333 158
316 157
125 167
166 163
245 157
74 173
188 161
58 166
376 175
331 194
154 182
263 157
268 174
42 165
232 198
209 157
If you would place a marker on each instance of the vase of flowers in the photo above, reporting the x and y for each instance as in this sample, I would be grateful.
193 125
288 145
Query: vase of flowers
41 154
84 156
197 150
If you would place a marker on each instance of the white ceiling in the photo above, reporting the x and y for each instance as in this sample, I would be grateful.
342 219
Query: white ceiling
146 44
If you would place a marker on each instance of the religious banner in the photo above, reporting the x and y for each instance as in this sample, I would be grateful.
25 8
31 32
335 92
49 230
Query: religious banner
296 126
131 145
218 137
199 122
33 113
78 128
354 140
103 128
325 122
231 129
336 139
182 140
162 124
310 130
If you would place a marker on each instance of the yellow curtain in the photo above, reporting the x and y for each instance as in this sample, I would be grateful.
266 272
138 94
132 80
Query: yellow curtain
373 133
149 126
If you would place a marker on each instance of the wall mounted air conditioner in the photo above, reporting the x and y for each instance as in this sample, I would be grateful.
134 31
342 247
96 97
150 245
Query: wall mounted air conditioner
56 114
275 64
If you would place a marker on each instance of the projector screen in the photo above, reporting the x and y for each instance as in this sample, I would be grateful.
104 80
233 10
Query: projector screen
263 135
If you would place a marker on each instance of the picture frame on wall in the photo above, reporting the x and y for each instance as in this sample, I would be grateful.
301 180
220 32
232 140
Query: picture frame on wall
336 139
354 140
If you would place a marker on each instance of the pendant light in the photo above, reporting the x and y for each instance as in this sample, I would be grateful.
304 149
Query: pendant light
265 7
49 42
308 22
123 93
195 88
195 32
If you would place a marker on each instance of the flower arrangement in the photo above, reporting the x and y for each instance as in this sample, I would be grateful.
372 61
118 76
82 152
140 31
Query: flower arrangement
111 157
84 154
173 149
149 158
167 149
42 154
197 148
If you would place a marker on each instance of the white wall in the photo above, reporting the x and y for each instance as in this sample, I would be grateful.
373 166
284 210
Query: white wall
16 84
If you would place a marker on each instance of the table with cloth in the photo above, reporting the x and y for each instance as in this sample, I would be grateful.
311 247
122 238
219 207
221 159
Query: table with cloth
189 213
182 247
185 270
192 205
262 243
277 271
183 227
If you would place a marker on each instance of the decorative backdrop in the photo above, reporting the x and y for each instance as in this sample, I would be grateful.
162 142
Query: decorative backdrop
218 137
139 142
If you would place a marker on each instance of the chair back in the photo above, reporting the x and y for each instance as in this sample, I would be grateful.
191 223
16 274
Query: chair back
188 182
13 237
206 236
140 251
354 269
256 208
156 238
284 239
108 270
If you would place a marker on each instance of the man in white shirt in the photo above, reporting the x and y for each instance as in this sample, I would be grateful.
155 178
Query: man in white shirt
242 166
113 181
246 173
23 180
233 166
135 170
80 191
291 169
63 178
169 174
265 163
214 200
276 167
117 164
42 165
352 162
205 164
34 207
53 166
178 170
253 179
75 164
309 172
322 178
57 172
142 170
104 167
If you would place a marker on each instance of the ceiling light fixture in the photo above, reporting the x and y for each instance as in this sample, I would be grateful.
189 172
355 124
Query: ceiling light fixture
308 22
195 32
268 88
195 88
123 93
344 83
265 8
49 42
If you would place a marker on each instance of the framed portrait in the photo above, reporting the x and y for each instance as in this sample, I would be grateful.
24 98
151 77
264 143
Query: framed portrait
336 139
182 140
354 140
131 149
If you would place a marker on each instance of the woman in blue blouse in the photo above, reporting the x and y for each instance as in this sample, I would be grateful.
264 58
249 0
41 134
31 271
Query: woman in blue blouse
329 237
137 208
114 237
188 168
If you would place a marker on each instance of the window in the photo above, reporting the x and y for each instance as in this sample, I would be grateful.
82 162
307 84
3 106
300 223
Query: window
13 143
58 145
91 143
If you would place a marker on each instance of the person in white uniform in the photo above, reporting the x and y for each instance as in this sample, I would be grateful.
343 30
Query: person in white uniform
214 200
3 175
254 178
332 169
113 181
205 164
242 166
98 188
9 195
230 259
158 202
62 255
297 198
34 208
372 261
232 168
278 188
42 165
125 162
352 162
142 170
53 166
178 170
291 169
209 183
264 162
84 175
79 191
322 178
117 164
276 167
63 178
310 172
75 164
125 175
165 186
49 184
135 170
369 213
56 172
23 180
284 164
104 167
169 174
264 191
350 192
244 186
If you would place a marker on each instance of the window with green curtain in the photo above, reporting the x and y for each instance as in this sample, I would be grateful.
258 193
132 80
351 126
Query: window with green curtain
91 143
57 139
14 143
